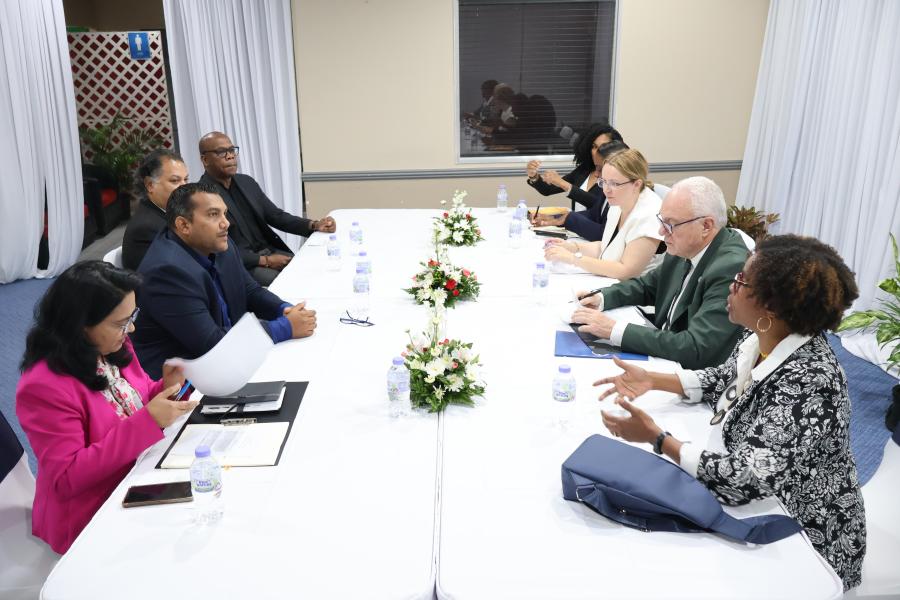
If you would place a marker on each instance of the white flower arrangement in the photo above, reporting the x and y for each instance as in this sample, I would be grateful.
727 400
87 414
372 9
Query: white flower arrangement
457 226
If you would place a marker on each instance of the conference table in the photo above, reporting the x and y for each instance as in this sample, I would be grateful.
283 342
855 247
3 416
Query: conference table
460 505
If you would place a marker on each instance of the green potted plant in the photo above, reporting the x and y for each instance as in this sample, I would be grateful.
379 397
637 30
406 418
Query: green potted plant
118 157
753 222
885 321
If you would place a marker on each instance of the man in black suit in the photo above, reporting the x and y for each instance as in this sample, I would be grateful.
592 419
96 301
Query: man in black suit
250 212
159 173
195 287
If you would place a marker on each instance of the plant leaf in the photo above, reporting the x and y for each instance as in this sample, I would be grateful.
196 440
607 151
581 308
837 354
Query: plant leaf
859 320
891 286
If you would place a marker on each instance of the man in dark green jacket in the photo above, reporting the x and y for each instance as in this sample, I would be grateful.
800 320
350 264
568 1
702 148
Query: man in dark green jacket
688 290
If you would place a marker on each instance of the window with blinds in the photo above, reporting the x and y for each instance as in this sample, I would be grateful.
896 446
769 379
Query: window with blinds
532 74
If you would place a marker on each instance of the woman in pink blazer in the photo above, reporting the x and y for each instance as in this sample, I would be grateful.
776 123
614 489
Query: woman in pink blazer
84 401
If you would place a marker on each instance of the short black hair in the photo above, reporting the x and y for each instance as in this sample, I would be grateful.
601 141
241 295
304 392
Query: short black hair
489 85
803 281
610 148
583 149
151 166
83 296
181 202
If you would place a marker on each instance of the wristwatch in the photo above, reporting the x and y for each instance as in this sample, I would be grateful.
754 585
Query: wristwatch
577 254
657 445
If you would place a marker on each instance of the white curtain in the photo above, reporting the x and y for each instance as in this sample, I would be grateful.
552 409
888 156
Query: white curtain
823 148
39 147
232 64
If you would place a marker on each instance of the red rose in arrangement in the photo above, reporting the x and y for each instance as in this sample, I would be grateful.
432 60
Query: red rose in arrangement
451 285
446 215
456 292
468 217
466 272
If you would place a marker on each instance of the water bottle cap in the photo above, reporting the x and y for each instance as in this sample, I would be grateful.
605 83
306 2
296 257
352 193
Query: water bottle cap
398 360
362 253
360 268
333 236
565 369
522 203
540 265
201 451
355 223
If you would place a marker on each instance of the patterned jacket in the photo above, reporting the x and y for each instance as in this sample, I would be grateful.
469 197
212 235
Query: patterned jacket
788 436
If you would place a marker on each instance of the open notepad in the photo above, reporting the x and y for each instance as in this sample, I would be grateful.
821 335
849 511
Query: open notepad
251 445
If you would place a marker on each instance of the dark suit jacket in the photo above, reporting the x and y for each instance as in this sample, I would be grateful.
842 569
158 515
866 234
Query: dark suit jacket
700 335
145 223
589 223
180 313
267 216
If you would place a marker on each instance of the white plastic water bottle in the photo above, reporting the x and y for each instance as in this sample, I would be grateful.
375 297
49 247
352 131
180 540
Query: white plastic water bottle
364 261
540 281
360 307
398 388
564 393
522 210
356 237
502 199
333 248
515 232
206 487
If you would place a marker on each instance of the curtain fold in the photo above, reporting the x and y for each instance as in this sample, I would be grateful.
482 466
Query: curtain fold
232 65
823 147
38 141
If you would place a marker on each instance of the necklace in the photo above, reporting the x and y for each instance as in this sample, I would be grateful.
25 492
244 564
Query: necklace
763 354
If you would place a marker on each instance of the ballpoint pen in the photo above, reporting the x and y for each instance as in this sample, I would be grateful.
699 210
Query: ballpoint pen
534 219
589 294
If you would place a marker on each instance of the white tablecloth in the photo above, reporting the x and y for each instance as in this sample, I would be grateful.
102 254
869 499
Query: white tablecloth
467 504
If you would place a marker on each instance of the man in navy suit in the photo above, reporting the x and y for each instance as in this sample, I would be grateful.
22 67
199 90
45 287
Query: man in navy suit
250 212
195 286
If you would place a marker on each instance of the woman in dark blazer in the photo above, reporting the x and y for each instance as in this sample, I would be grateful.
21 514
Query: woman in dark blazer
780 401
580 185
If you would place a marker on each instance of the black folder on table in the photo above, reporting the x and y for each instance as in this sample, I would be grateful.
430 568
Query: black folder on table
293 396
261 391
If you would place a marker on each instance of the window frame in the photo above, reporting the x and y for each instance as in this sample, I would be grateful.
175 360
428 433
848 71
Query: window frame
519 158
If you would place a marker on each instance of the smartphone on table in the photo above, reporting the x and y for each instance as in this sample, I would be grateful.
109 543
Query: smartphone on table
158 493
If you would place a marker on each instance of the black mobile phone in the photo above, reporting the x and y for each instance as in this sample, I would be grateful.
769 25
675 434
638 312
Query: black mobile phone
158 493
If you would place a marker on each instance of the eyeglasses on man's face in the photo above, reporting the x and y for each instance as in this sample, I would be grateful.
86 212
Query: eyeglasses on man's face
613 185
739 281
223 152
130 321
670 227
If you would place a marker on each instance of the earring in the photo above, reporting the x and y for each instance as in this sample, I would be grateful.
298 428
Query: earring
760 329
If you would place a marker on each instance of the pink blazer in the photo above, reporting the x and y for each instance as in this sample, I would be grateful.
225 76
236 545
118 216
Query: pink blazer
83 449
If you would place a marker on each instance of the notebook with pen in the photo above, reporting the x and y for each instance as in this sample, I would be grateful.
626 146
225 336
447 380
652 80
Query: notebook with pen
576 344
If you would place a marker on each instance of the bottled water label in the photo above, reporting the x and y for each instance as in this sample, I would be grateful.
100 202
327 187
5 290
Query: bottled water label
502 199
361 285
206 488
564 389
398 389
334 252
540 280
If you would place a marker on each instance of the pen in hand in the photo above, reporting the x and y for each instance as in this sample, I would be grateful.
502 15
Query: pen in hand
588 295
534 219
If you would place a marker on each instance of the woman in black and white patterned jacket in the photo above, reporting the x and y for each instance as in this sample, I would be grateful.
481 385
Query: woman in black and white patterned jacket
780 400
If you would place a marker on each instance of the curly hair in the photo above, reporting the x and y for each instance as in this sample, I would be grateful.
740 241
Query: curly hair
591 133
803 281
82 296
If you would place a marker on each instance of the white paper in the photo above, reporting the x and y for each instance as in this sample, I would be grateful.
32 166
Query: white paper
232 445
228 366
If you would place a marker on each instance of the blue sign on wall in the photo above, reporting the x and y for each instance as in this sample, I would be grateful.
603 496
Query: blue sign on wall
139 44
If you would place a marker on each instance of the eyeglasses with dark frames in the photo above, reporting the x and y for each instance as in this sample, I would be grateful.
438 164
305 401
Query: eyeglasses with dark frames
350 320
739 281
223 152
670 227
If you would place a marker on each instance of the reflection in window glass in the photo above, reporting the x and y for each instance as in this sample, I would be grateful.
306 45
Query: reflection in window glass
532 74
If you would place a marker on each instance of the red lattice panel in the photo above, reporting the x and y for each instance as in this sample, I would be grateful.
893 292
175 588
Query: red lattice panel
107 80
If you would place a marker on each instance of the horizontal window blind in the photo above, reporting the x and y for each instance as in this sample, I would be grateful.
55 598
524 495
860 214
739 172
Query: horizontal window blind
557 58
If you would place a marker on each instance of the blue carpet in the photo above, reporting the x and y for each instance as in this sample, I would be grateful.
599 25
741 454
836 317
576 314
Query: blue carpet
17 302
870 396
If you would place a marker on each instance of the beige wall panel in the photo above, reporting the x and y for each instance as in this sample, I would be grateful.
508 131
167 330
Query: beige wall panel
324 196
376 83
686 75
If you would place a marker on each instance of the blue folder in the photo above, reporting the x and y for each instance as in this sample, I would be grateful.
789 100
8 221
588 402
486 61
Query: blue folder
568 343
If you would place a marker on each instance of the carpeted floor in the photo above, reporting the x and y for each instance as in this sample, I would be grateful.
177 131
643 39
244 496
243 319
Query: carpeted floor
17 302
